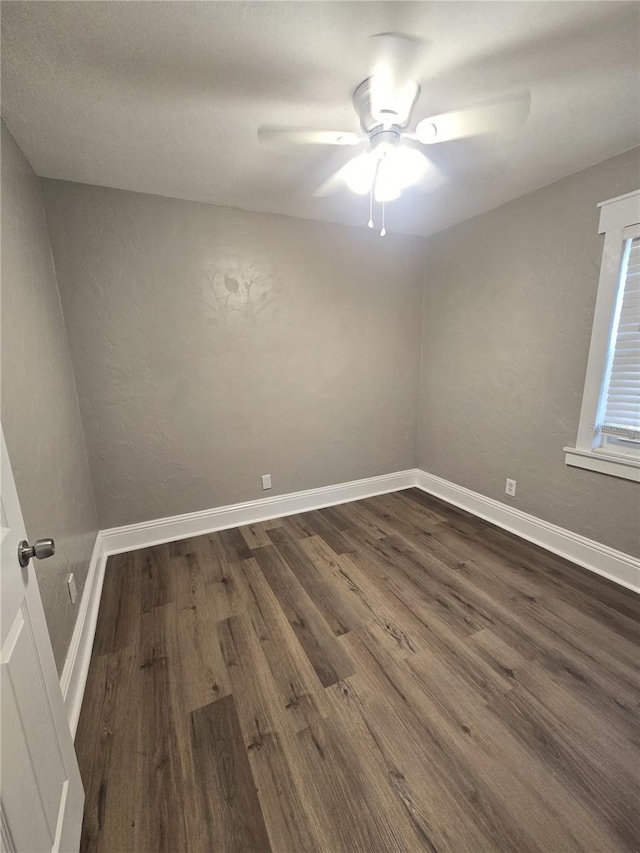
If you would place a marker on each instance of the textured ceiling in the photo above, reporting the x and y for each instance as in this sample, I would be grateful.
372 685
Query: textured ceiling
166 97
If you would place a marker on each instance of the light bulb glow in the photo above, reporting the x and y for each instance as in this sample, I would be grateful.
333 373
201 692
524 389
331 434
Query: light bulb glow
407 165
386 186
360 172
386 189
386 170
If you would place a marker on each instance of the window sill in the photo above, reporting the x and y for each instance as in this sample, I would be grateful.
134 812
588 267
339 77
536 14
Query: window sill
615 466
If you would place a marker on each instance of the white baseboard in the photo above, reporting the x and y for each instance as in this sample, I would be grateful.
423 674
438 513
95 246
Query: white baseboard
614 565
134 536
76 665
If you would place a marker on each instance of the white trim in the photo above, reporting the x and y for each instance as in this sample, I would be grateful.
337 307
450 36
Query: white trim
618 198
617 566
134 536
76 665
608 286
617 213
616 466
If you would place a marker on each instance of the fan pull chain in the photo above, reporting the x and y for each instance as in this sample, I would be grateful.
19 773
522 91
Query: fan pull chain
383 230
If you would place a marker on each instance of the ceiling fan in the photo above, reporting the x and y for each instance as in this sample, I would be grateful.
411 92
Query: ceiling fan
384 104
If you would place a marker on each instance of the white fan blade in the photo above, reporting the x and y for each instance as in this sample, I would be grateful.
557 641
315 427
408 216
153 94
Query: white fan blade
393 77
490 117
304 136
357 174
337 181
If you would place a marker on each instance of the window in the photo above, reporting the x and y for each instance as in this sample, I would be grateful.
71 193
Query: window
609 432
618 422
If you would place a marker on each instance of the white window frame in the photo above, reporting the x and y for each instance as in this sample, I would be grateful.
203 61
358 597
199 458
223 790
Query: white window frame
617 216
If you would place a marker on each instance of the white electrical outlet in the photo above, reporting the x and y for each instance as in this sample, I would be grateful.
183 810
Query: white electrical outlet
266 481
510 488
73 592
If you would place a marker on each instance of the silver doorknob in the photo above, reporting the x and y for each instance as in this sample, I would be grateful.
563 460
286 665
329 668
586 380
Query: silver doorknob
41 549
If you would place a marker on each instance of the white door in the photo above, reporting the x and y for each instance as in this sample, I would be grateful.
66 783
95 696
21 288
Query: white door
41 794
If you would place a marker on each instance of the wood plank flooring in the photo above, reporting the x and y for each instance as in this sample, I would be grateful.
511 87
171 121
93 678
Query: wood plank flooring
386 675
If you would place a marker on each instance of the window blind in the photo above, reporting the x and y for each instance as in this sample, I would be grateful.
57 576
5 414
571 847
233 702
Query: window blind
621 410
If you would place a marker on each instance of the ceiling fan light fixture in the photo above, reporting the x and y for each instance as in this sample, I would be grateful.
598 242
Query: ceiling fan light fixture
407 165
384 102
386 191
360 173
386 186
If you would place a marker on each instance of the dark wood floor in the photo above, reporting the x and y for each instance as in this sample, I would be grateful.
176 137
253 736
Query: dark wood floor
385 675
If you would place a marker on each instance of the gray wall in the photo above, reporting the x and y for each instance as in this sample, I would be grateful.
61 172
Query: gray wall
212 345
40 415
508 309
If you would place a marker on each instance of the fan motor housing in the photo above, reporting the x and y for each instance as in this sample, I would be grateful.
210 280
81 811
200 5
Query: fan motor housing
380 135
369 122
